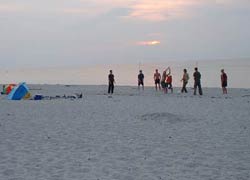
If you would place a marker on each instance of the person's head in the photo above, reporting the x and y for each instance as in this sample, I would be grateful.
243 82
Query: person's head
184 70
110 71
140 71
156 70
196 69
222 70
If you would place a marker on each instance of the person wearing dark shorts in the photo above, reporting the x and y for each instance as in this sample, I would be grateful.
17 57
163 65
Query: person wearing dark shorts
111 79
224 81
197 81
169 83
157 79
140 80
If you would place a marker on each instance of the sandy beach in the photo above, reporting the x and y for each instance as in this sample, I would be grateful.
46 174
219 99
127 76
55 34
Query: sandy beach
135 135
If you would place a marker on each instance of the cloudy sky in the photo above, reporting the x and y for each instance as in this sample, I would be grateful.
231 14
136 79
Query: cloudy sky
79 32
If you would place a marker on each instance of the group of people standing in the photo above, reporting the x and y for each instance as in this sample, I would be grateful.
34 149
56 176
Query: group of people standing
164 82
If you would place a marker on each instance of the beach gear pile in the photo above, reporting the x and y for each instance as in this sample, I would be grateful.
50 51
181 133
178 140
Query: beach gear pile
21 91
71 97
7 88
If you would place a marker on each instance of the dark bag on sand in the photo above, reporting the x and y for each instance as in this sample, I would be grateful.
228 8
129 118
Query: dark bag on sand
38 97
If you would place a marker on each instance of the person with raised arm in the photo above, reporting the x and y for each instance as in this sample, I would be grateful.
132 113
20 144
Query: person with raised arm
163 81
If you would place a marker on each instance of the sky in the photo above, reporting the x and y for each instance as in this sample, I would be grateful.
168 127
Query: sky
89 32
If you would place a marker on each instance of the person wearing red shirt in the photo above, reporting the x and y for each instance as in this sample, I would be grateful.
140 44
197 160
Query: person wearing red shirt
223 81
169 81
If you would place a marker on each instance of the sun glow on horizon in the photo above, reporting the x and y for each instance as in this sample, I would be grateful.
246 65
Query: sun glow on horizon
148 43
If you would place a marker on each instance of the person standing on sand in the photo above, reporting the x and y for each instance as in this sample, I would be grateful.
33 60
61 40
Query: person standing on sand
197 81
169 82
184 80
111 79
163 81
140 80
223 81
157 79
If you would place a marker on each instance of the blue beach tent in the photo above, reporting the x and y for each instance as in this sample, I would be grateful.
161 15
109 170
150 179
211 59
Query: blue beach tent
18 92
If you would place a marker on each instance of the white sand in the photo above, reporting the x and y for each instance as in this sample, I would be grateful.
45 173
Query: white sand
132 136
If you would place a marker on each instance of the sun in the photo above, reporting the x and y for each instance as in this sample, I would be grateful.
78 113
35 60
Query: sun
148 43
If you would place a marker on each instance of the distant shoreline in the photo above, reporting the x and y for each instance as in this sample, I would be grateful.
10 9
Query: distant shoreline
119 86
126 74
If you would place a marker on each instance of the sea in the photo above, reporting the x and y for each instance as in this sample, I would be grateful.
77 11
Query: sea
126 74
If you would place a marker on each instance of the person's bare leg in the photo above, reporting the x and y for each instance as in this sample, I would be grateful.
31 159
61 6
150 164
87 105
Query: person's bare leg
224 90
